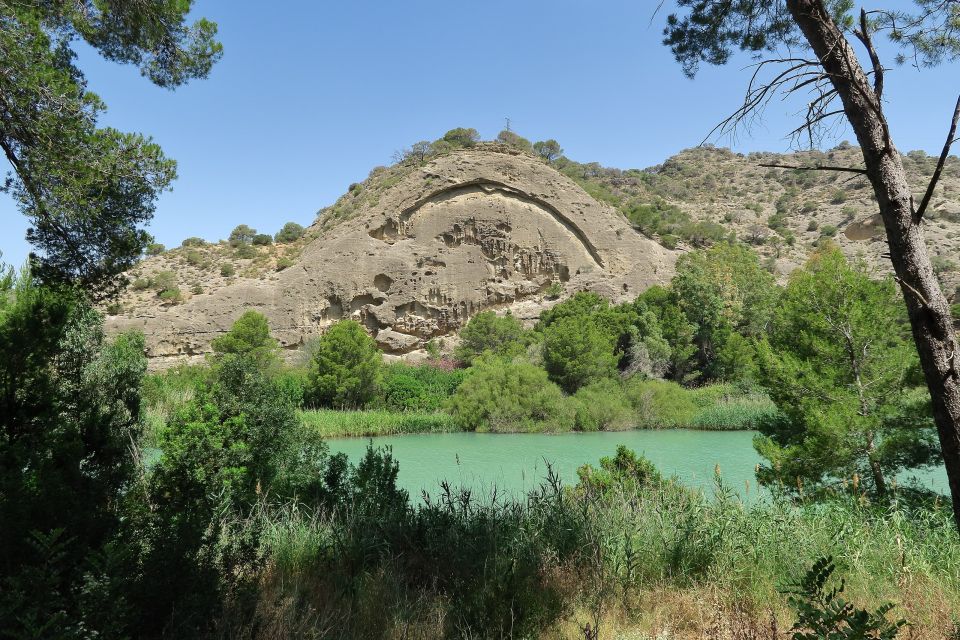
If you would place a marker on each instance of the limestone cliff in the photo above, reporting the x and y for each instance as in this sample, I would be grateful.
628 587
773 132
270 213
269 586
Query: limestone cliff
479 228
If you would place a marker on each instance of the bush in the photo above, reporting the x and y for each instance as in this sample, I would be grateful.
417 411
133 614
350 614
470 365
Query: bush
193 242
262 239
155 249
461 137
141 284
660 404
291 232
514 140
246 252
249 337
241 235
828 231
418 388
510 396
194 257
284 263
227 270
487 332
576 353
602 406
171 296
345 369
163 280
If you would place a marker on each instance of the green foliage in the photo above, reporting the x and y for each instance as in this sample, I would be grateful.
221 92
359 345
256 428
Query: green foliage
262 239
69 409
514 140
87 191
194 258
723 292
461 137
171 296
549 150
242 234
418 388
836 364
248 337
577 353
140 284
163 280
345 368
602 406
660 404
489 333
624 473
246 252
155 249
193 242
291 232
227 270
828 230
284 263
554 290
824 613
509 396
675 329
330 423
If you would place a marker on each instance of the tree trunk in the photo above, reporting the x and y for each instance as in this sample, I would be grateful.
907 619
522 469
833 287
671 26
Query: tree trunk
929 312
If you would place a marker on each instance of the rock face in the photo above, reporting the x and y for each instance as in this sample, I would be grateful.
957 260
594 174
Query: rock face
471 230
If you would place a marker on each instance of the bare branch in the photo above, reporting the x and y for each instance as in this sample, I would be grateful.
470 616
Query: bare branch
918 214
864 36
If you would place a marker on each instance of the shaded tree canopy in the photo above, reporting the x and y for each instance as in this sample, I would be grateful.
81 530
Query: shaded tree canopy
88 190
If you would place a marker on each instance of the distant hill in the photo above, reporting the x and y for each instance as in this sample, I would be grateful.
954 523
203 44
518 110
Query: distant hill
419 247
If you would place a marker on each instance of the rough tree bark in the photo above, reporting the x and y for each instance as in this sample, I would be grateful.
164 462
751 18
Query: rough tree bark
930 318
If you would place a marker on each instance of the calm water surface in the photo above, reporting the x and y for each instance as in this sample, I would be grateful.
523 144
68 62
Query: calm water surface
517 462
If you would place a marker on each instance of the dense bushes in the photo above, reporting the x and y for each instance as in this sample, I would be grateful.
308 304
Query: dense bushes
488 333
417 388
509 396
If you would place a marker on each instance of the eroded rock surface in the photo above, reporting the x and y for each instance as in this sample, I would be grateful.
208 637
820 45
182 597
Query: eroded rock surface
475 229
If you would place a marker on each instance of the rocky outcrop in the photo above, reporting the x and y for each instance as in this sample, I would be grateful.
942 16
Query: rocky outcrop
471 230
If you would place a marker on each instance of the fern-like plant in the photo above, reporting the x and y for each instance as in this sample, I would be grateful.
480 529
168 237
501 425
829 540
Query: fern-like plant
825 615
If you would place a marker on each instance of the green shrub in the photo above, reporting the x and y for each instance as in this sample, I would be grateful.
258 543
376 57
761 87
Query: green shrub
487 332
812 225
828 231
196 289
554 290
194 257
461 137
172 296
345 368
602 406
736 413
193 242
284 263
660 404
262 239
839 196
417 388
163 280
291 232
141 283
576 353
227 270
249 337
246 252
510 396
155 249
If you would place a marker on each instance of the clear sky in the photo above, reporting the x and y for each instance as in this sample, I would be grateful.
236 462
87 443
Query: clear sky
311 95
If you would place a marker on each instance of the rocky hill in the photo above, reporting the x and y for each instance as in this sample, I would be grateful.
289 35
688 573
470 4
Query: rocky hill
418 248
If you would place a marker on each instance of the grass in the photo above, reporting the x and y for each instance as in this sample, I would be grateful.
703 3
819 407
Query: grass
330 423
656 560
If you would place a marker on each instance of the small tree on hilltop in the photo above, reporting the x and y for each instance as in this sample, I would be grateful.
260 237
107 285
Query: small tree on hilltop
291 232
345 369
462 137
242 234
549 150
514 140
836 363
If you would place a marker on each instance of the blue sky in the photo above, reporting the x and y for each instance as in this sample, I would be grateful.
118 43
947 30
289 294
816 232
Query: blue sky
312 95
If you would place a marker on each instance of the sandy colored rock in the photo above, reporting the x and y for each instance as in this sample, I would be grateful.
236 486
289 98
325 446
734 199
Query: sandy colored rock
471 230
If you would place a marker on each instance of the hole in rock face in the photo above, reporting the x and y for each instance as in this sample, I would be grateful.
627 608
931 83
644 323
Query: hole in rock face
389 232
335 309
382 282
358 303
